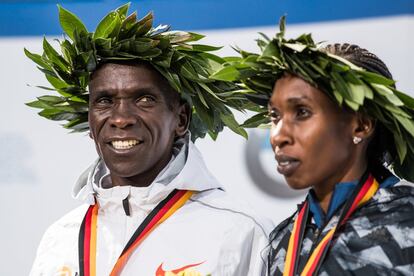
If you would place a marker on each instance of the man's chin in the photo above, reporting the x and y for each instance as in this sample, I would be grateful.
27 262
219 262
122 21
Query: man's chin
122 170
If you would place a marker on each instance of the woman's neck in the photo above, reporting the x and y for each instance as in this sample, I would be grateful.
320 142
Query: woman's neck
325 190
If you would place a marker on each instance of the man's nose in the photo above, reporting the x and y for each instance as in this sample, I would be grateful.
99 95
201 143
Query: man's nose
123 116
280 134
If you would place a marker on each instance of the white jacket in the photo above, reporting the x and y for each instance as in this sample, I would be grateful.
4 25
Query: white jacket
210 228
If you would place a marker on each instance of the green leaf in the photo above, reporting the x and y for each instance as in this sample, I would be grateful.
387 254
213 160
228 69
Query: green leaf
264 36
70 22
271 50
338 97
215 62
188 71
354 106
127 26
208 89
123 10
142 45
63 116
401 147
37 104
357 93
164 60
317 68
110 24
199 48
203 113
195 36
229 73
376 78
104 43
230 122
200 96
45 87
406 99
144 24
345 62
231 60
282 27
54 57
172 78
296 46
256 120
37 59
407 123
178 37
151 53
52 99
68 50
388 93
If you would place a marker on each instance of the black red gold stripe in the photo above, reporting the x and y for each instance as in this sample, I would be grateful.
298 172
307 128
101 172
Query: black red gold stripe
364 191
88 232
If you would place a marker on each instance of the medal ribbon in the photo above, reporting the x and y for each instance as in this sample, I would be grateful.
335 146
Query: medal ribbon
88 232
360 196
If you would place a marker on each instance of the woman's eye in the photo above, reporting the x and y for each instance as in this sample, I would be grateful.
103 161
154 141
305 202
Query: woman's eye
303 113
274 116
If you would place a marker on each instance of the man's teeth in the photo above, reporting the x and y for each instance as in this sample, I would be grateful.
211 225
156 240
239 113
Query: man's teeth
124 144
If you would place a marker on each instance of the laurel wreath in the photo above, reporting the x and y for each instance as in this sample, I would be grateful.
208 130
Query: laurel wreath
346 83
186 65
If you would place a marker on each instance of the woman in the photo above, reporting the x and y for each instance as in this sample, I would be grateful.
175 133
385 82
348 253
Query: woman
337 126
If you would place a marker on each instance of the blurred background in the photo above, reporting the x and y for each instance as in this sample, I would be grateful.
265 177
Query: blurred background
40 161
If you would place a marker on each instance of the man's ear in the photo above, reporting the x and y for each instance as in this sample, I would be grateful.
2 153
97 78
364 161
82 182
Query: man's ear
184 117
364 126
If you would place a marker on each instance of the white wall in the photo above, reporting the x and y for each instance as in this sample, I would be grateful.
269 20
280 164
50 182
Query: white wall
39 161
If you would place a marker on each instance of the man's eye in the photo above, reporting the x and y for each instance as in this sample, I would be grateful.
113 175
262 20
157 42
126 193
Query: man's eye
104 100
146 100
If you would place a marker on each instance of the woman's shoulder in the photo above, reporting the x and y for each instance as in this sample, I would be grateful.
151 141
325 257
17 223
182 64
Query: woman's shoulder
400 193
281 230
390 205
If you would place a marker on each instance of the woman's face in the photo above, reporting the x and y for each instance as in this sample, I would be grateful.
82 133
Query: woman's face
311 135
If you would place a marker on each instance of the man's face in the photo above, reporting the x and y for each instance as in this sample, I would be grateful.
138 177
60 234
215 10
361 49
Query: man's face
133 119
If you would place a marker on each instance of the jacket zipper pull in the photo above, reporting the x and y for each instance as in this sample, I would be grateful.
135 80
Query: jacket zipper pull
125 204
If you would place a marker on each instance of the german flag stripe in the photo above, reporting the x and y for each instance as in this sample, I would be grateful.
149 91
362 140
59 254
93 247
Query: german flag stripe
170 206
88 232
365 190
294 242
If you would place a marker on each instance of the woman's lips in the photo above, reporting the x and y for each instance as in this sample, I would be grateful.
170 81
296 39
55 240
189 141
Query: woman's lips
287 165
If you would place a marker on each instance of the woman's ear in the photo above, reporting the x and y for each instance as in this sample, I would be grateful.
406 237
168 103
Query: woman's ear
363 129
184 117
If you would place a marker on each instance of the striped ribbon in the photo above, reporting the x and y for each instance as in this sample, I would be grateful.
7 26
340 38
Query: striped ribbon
365 190
88 232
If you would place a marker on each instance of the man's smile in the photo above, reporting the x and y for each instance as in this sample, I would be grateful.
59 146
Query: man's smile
124 144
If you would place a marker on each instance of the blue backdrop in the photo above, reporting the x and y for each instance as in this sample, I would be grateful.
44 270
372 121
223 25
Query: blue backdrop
39 17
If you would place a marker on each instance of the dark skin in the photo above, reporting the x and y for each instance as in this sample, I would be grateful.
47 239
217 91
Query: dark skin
134 118
312 138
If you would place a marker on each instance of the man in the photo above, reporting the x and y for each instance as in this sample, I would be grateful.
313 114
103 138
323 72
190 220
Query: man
152 207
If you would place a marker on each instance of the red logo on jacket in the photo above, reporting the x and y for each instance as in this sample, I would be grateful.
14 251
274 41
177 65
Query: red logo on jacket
161 272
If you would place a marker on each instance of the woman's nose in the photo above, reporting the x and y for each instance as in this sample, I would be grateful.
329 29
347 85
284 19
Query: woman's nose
280 135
